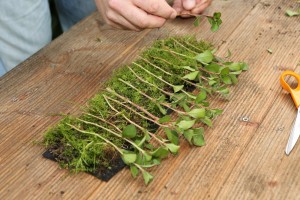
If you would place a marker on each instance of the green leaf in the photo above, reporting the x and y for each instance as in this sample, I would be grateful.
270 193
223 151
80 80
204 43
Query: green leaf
292 13
225 71
129 158
233 78
201 96
244 66
129 131
224 91
235 67
161 153
134 171
172 136
198 140
153 162
217 15
226 80
213 67
191 76
161 109
186 124
172 147
165 119
147 177
177 88
188 134
197 21
147 156
206 57
197 113
207 121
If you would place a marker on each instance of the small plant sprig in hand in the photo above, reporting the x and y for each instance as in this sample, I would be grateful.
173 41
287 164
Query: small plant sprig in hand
214 20
123 119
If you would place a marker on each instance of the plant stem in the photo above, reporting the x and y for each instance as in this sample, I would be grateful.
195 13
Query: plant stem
105 121
151 99
183 46
114 133
162 80
97 135
134 104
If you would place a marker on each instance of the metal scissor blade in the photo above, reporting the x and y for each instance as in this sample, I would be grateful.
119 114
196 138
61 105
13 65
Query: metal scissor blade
294 134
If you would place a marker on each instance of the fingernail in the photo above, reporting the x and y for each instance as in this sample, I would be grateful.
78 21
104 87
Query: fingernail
189 4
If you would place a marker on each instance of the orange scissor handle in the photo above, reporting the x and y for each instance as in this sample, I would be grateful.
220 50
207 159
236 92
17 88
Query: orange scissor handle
295 93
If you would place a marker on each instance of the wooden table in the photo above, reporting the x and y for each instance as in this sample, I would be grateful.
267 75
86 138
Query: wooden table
242 160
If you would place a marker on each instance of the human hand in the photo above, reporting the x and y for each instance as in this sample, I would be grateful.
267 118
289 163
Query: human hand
186 7
135 14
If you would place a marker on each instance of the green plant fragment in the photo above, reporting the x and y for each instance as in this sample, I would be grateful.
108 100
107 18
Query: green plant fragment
197 113
186 124
292 13
134 171
191 76
147 177
165 119
160 153
206 57
129 131
177 88
173 148
172 136
129 158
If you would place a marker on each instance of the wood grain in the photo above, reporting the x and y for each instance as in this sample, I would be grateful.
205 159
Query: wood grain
242 160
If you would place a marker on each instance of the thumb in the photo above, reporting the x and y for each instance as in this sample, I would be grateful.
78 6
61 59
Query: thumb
188 4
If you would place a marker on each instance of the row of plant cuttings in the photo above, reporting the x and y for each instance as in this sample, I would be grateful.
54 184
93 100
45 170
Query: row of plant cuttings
137 100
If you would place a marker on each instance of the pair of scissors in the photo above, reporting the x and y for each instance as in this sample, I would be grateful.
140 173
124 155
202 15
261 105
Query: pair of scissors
295 93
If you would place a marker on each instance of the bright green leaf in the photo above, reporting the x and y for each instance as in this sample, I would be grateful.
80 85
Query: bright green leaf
225 71
213 67
177 88
207 121
129 131
235 66
186 124
161 153
191 76
197 113
172 147
198 140
129 157
161 109
206 57
165 119
233 78
292 13
134 171
172 136
147 177
201 96
226 80
188 134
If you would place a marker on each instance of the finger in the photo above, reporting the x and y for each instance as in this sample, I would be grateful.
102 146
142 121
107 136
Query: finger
159 8
137 16
188 4
177 5
200 7
119 21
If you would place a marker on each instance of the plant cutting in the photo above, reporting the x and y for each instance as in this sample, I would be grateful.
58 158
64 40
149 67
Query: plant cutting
146 109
